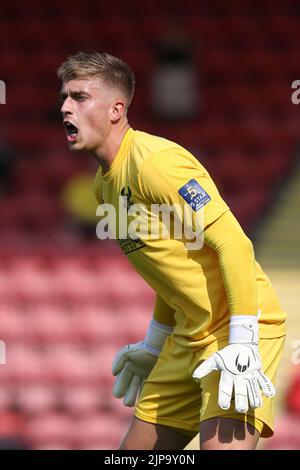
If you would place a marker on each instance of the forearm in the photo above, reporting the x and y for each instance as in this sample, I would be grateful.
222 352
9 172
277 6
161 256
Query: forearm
237 263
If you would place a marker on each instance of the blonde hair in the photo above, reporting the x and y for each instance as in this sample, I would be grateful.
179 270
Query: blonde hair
113 71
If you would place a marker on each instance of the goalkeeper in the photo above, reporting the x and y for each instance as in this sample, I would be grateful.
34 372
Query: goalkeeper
209 358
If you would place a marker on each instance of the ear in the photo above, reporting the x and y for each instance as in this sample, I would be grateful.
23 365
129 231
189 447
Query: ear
117 111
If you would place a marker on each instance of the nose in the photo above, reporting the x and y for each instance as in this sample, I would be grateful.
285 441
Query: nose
66 106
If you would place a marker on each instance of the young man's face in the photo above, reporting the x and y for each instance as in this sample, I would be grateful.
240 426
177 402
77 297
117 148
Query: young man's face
87 110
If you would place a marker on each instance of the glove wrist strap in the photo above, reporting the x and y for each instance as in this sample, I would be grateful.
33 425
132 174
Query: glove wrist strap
243 329
156 336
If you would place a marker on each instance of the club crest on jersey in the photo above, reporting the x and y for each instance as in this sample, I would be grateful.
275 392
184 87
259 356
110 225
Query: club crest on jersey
126 194
194 195
129 243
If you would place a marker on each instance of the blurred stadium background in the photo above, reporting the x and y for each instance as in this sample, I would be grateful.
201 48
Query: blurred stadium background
69 301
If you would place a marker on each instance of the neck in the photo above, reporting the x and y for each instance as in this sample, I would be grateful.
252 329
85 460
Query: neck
108 151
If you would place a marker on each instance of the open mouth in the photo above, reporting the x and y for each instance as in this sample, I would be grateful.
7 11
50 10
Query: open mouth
71 130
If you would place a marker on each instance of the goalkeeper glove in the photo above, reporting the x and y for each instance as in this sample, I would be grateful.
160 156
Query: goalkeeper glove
133 363
240 366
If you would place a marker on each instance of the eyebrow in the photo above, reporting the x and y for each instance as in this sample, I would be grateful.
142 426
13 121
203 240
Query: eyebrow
74 94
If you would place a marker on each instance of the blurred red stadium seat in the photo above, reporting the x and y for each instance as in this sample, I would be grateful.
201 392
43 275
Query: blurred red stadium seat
99 431
14 326
35 399
287 432
6 397
25 365
50 325
49 427
83 399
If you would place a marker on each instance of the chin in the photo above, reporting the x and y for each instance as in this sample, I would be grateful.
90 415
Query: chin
76 147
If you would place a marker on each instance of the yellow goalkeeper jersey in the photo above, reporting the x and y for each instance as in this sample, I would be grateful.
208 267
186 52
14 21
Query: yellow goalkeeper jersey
149 171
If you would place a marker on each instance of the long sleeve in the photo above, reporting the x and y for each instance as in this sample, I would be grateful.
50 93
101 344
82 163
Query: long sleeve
163 313
237 263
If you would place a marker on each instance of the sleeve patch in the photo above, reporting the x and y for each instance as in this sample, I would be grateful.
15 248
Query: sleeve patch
194 195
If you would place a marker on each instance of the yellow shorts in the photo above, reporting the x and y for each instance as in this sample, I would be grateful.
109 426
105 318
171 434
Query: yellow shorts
172 398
